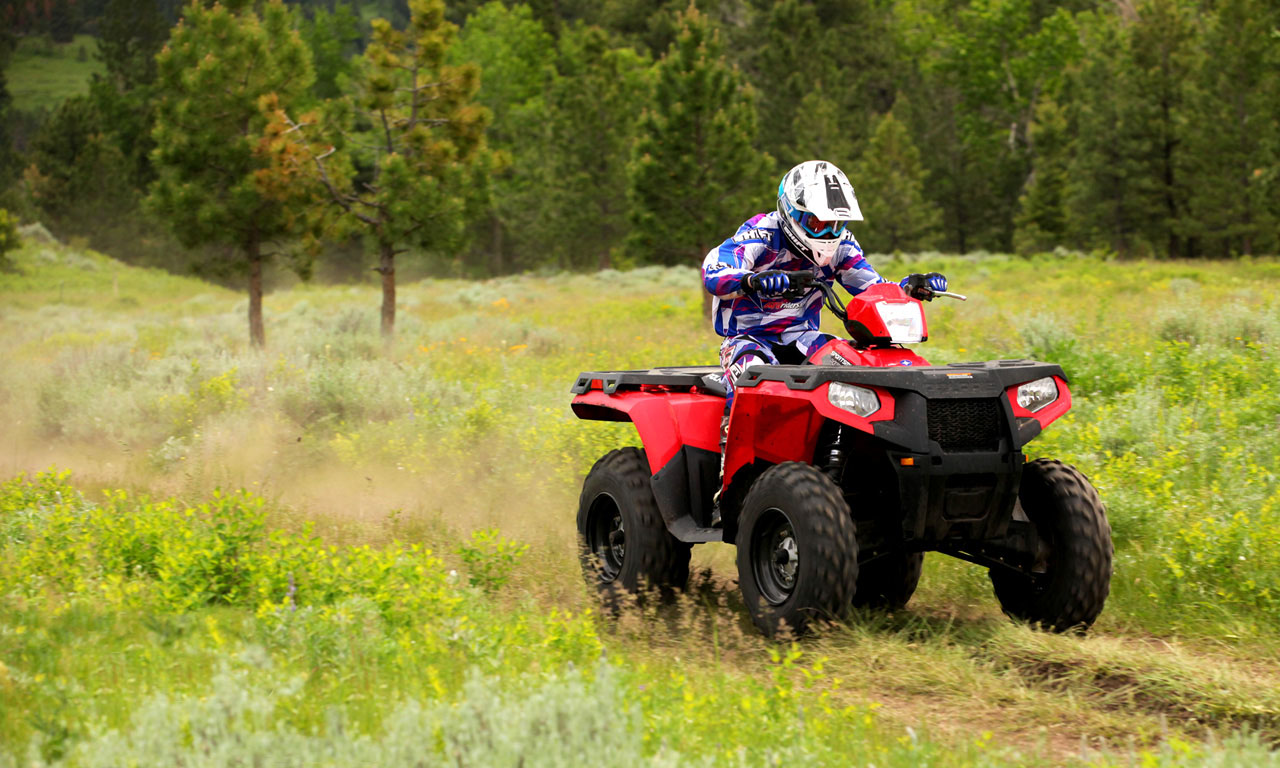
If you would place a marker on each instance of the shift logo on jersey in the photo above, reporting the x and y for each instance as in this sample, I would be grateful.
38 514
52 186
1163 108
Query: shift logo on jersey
719 266
753 234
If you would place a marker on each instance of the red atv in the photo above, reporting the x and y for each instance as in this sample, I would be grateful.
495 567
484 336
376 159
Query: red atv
840 471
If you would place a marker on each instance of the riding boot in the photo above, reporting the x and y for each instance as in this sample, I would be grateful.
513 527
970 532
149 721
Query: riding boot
715 500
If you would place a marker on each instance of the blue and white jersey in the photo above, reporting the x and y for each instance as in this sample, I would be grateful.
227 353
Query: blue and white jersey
759 246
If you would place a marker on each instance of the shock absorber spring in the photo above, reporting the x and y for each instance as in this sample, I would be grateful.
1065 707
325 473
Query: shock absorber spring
835 457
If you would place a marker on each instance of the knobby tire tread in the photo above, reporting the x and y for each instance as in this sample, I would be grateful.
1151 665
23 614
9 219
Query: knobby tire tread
654 558
1059 499
823 526
889 582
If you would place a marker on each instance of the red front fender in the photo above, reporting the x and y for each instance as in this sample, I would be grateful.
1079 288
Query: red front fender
773 423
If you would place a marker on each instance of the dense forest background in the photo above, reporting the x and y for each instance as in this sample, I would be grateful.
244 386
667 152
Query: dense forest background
575 134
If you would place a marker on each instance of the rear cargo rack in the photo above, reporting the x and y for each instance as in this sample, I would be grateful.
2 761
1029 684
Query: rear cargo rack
706 378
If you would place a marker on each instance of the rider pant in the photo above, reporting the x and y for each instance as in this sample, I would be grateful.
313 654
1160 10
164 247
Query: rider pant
737 353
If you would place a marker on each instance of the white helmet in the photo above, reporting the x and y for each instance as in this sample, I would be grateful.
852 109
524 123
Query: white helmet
815 204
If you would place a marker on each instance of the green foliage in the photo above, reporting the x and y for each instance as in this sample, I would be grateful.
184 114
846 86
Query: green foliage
693 171
9 240
411 124
595 103
1174 380
514 53
1233 147
892 181
77 167
821 71
332 35
1041 219
131 33
218 76
40 77
490 558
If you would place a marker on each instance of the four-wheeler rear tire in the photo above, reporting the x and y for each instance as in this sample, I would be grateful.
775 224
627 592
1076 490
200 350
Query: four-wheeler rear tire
888 582
797 549
623 541
1076 577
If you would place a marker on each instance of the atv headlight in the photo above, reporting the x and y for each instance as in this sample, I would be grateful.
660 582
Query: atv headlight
1035 395
852 398
904 321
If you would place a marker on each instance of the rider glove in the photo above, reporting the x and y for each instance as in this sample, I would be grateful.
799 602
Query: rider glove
769 283
922 287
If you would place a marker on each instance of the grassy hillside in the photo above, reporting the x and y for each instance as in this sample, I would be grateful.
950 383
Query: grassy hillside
43 74
123 632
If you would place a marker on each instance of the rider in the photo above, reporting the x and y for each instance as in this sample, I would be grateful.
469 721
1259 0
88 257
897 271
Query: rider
745 275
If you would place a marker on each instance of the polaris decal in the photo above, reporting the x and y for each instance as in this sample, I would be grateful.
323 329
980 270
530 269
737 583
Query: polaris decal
835 359
905 362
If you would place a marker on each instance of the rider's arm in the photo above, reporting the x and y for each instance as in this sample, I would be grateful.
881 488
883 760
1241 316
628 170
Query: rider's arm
725 267
853 270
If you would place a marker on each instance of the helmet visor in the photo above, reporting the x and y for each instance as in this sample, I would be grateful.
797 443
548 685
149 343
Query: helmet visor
819 228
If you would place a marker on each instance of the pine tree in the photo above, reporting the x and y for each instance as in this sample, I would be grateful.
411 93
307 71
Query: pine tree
1001 62
8 158
1128 187
216 69
516 56
694 174
595 103
890 184
1041 219
1233 132
131 33
333 37
413 130
821 72
76 171
1160 63
1105 199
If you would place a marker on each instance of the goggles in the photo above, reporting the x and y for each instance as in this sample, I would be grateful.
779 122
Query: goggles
816 227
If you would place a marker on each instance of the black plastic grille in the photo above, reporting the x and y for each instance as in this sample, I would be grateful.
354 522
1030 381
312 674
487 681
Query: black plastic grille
965 425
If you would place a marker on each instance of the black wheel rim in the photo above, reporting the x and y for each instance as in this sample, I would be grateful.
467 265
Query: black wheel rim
775 556
607 536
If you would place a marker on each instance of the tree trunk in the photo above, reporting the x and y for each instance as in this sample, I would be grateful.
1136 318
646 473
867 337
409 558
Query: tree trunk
496 266
387 267
257 336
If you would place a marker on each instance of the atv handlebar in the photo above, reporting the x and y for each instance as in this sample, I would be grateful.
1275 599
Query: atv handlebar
802 280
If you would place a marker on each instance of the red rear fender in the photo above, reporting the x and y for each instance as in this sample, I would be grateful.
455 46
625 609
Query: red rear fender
665 420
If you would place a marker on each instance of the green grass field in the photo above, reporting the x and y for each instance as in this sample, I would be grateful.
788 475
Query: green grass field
339 552
43 74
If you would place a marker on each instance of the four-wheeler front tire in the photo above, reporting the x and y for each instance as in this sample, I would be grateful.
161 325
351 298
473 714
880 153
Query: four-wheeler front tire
797 549
1076 576
623 541
889 581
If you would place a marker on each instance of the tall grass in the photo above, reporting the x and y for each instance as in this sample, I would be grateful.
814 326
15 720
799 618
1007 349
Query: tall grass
141 381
